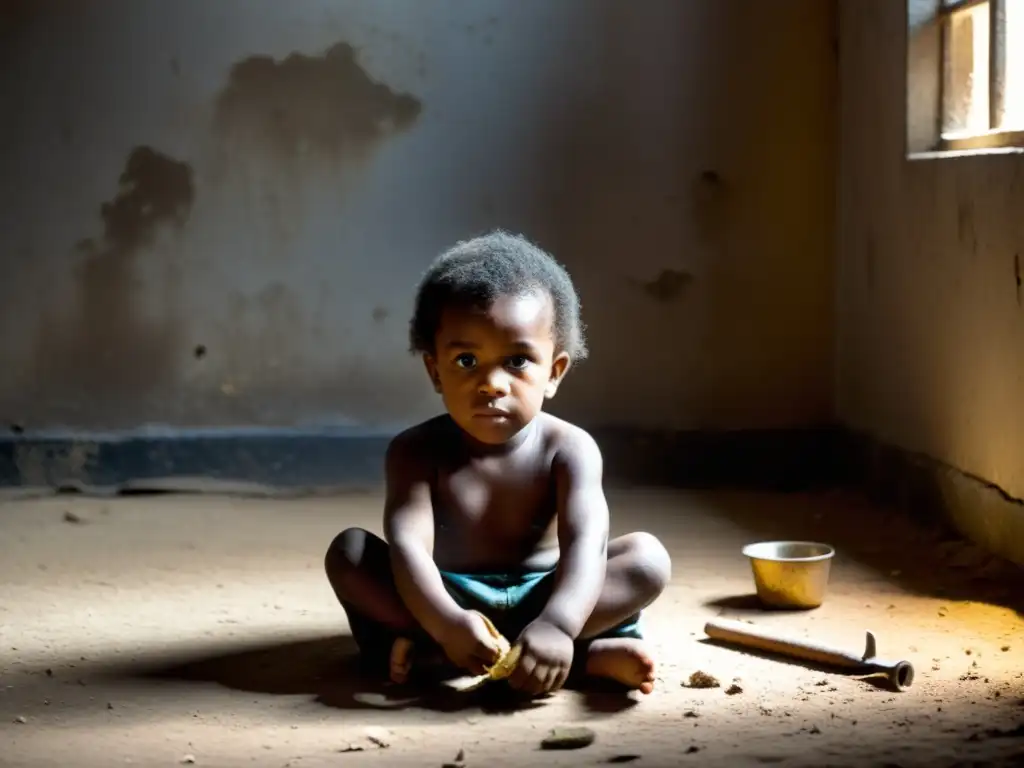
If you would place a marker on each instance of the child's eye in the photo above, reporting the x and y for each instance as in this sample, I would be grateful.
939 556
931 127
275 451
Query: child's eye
465 360
518 362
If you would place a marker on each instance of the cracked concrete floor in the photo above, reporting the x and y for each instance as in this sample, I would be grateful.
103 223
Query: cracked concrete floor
157 630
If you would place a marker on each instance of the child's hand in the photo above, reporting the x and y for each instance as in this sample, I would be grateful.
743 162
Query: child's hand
469 643
545 660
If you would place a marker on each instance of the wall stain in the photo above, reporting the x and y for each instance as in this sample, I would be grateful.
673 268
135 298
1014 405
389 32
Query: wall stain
710 207
965 228
106 349
305 103
668 286
1016 276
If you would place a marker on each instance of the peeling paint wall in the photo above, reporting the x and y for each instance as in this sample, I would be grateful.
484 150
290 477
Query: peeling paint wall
215 214
930 338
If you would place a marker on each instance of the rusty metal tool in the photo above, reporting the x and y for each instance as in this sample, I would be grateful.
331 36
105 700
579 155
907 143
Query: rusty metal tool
899 673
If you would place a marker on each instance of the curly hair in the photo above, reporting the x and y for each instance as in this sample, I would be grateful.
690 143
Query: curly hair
478 271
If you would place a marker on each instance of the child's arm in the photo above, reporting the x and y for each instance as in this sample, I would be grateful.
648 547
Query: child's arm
582 535
409 530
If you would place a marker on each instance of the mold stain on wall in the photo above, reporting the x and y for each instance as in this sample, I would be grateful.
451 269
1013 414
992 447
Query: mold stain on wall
668 286
107 347
325 104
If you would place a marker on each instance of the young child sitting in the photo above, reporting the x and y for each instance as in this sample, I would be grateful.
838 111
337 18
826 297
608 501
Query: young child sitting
495 507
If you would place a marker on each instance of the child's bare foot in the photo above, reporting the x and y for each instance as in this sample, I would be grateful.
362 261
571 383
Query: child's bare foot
408 657
624 660
401 660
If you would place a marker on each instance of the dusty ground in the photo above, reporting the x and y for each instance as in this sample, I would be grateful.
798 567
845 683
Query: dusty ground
165 629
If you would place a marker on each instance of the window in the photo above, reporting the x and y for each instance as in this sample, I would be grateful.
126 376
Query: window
982 74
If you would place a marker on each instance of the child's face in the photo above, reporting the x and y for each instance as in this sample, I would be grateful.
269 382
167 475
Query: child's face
494 367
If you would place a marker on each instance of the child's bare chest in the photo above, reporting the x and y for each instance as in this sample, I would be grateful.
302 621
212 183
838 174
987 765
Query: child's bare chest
490 512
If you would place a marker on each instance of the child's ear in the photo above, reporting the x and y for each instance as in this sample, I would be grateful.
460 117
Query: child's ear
559 367
431 365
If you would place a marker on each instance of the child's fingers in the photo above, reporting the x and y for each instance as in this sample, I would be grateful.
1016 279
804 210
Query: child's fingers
486 653
523 672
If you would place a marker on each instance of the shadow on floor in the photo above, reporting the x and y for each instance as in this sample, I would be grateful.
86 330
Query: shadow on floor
930 561
330 670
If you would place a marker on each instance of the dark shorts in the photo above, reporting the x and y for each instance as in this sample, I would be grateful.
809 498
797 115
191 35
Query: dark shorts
510 600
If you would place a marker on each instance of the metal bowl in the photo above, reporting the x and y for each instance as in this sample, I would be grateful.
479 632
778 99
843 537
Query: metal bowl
790 574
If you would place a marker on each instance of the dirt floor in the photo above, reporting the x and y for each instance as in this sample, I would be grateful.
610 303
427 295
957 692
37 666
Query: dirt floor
170 629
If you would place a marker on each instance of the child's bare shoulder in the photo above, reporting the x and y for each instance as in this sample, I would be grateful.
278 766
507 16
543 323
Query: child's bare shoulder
419 446
571 446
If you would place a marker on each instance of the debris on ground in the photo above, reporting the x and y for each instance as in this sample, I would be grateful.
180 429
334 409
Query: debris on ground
71 517
458 762
623 758
733 689
701 679
568 738
188 760
20 720
379 736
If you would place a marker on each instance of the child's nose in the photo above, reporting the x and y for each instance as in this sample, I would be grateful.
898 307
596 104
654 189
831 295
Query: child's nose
494 383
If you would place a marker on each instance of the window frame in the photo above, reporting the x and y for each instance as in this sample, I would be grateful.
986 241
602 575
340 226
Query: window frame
993 138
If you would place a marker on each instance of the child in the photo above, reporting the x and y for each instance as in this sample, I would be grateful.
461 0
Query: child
496 507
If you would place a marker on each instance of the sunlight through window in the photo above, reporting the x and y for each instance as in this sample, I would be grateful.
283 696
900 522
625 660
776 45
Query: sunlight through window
1012 22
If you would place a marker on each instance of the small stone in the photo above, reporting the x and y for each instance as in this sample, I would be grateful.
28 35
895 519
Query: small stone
188 760
49 673
701 679
623 758
815 730
458 762
690 713
20 720
733 689
71 517
347 748
568 738
692 748
1005 648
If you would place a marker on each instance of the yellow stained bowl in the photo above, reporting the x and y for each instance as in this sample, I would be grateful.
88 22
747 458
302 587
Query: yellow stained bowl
790 574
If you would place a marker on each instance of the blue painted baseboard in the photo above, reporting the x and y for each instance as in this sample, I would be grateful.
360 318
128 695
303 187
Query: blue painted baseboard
291 460
284 459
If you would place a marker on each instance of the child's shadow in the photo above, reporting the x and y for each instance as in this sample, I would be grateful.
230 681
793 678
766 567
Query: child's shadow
330 670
